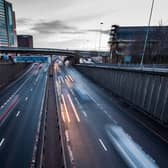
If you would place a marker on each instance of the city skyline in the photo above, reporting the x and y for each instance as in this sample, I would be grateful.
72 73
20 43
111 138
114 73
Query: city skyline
76 24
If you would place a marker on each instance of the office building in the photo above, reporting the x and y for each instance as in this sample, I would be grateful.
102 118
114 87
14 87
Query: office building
127 44
3 26
25 41
10 24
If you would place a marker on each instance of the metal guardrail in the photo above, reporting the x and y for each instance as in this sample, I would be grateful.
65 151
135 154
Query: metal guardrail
147 67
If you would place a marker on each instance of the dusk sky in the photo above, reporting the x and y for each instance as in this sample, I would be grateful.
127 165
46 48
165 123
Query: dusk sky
75 24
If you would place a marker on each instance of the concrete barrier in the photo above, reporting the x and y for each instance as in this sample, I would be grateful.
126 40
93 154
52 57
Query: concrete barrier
147 90
9 72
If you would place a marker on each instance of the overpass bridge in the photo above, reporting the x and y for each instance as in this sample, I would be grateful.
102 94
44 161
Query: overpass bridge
52 51
71 55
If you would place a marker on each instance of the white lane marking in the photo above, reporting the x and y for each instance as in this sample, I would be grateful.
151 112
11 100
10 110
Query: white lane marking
62 113
81 108
26 98
2 107
77 101
70 153
18 113
5 103
2 141
101 107
102 144
110 117
67 136
84 113
74 109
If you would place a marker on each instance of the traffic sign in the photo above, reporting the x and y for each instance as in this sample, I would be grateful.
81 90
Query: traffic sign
32 59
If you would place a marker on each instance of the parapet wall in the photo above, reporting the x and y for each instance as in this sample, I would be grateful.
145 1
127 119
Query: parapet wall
9 72
146 90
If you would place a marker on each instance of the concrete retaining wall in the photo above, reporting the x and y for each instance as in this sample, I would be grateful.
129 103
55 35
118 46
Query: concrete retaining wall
9 72
146 90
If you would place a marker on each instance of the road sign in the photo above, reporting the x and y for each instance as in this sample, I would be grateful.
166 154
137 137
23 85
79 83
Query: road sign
32 59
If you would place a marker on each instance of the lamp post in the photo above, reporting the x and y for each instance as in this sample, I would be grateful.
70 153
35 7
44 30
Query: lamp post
100 38
147 34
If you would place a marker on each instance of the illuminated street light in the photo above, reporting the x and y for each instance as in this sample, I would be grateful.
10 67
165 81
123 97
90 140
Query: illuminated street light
101 23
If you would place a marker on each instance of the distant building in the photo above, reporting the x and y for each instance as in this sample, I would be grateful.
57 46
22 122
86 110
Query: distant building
3 27
25 41
127 43
10 24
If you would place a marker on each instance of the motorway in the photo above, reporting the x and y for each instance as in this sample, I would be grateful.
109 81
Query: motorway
99 132
20 112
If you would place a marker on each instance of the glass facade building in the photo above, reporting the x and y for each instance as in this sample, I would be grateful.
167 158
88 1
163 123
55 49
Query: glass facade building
127 44
10 22
3 30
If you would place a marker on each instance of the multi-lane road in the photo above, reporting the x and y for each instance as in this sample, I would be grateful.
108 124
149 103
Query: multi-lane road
101 133
97 130
20 112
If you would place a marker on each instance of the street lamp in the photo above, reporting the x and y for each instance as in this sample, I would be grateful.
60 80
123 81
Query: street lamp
147 34
100 38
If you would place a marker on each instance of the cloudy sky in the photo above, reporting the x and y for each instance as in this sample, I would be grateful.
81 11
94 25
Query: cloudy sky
75 24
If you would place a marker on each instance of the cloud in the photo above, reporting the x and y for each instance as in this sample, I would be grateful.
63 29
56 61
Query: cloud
98 30
74 32
55 26
44 27
24 21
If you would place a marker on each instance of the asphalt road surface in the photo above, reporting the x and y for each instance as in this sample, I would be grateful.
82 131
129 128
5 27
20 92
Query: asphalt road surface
20 111
101 133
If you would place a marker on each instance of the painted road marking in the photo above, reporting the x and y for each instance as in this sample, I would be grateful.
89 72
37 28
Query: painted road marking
74 109
101 108
102 144
84 113
18 113
67 136
70 154
2 141
26 98
62 113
